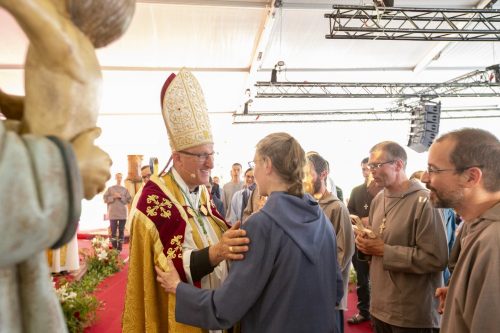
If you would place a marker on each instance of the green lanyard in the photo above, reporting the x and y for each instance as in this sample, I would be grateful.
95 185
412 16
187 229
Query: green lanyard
198 216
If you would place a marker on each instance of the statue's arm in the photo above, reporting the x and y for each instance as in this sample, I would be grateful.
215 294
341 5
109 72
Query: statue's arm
11 106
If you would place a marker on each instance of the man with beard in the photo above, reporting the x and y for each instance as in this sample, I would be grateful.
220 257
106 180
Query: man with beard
463 173
338 215
409 250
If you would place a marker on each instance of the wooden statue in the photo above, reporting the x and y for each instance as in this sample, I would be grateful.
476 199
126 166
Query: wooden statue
134 181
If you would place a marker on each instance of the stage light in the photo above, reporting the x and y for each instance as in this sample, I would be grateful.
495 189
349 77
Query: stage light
274 71
245 107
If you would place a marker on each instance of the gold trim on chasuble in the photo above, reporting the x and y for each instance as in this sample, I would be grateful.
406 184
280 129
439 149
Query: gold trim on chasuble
152 310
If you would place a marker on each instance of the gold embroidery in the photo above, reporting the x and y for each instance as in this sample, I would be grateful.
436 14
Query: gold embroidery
177 250
185 112
152 210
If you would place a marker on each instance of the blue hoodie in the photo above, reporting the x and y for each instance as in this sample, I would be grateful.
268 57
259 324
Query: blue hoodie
288 282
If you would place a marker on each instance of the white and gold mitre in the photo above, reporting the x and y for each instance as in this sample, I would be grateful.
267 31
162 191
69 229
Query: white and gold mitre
185 111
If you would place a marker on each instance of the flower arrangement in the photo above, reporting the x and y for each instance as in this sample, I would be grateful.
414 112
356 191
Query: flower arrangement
78 303
104 261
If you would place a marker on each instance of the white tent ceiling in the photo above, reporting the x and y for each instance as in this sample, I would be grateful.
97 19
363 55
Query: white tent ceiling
221 40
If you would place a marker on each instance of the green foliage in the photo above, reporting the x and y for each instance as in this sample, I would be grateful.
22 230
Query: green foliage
353 278
78 303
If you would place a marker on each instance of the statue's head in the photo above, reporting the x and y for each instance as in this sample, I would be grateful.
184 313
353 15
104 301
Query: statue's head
101 21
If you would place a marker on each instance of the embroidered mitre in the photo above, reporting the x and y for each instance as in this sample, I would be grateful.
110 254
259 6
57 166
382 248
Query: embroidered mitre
185 112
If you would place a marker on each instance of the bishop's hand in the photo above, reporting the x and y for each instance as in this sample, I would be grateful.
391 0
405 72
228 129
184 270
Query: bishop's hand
232 245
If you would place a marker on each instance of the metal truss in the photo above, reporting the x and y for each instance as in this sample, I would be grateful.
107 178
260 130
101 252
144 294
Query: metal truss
490 75
480 83
416 24
356 116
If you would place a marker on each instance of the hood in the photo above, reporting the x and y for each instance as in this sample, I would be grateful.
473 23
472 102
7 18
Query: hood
415 186
331 197
301 219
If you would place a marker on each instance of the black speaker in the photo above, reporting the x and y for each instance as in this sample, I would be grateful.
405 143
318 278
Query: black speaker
384 3
424 126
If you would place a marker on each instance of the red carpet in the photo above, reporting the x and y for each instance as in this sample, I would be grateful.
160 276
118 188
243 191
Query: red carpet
111 292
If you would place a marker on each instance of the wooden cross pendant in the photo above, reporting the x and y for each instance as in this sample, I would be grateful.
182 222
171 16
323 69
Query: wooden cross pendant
382 226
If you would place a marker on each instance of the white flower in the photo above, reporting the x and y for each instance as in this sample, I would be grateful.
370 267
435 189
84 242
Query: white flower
105 243
71 295
63 294
102 255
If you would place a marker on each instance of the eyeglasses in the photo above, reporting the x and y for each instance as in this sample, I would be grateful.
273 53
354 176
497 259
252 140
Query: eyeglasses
251 164
375 166
201 157
430 169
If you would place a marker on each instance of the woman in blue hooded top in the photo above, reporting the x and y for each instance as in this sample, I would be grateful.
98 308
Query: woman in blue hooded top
289 280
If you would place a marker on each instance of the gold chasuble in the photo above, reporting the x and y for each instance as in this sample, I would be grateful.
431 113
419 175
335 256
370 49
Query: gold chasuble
157 232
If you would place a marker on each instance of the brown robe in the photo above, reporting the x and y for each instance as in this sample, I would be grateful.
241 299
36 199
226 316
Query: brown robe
473 299
404 280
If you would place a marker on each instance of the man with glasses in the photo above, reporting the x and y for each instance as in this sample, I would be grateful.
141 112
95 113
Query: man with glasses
408 247
359 205
145 173
464 174
175 218
240 198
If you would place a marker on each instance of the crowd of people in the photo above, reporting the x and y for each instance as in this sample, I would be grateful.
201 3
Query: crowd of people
273 252
268 254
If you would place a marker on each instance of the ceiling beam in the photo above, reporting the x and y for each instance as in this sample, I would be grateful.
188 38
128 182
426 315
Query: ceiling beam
260 70
241 4
209 3
438 48
149 68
